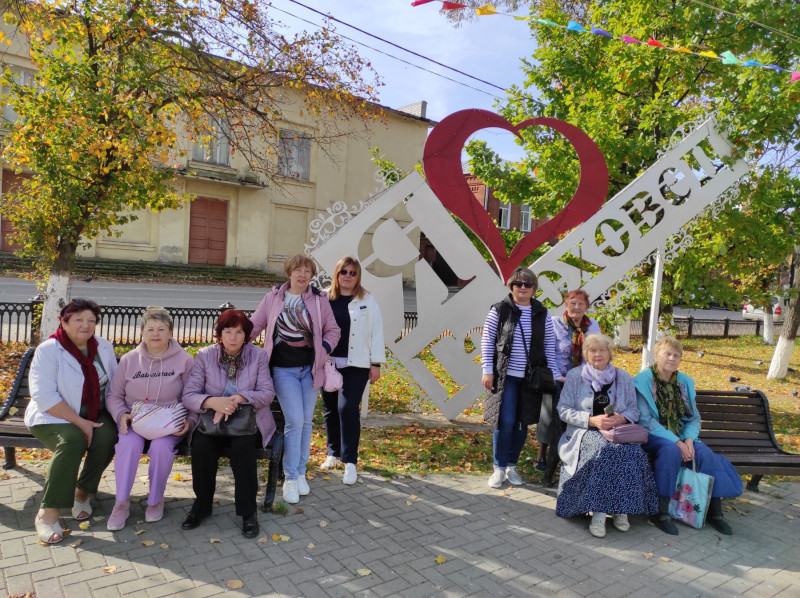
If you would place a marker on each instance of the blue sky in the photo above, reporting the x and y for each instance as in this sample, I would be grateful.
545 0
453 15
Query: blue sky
489 47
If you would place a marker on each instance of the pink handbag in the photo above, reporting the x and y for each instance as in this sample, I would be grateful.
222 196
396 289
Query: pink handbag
333 378
151 420
626 434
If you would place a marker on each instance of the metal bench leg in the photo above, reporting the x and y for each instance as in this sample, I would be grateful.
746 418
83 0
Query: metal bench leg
752 485
11 457
273 472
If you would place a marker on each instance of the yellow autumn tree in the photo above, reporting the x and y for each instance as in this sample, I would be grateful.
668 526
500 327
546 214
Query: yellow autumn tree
116 83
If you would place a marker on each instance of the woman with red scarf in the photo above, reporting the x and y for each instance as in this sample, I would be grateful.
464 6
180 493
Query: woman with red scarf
571 328
68 379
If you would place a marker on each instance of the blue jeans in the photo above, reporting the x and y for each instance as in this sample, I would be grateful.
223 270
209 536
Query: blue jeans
509 436
297 397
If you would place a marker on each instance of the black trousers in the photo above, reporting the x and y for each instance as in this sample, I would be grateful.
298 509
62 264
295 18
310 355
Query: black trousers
241 450
341 410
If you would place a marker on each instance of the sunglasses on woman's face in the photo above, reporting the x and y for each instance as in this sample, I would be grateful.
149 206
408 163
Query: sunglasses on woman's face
348 272
521 283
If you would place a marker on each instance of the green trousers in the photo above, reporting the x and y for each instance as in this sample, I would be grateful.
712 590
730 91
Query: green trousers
69 446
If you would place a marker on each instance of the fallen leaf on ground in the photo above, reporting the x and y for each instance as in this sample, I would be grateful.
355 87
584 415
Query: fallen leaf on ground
298 511
98 517
440 560
140 522
327 477
109 569
214 540
136 501
311 546
76 543
145 479
163 546
409 503
276 537
177 476
413 497
262 539
363 572
148 542
139 532
744 500
84 525
284 538
648 555
13 411
234 584
789 516
323 523
666 560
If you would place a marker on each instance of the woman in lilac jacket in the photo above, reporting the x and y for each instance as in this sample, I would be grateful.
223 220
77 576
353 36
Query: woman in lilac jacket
301 332
226 375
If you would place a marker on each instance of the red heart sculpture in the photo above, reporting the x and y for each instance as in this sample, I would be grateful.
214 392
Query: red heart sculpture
442 163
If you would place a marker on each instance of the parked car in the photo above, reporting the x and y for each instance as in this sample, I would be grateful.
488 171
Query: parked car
779 307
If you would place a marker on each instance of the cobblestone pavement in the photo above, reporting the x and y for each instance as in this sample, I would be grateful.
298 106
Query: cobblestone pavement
383 538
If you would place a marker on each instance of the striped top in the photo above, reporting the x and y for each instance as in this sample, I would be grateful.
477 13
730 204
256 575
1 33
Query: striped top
517 360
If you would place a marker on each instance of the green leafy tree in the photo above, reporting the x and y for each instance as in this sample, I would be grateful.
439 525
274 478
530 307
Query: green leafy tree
118 83
630 98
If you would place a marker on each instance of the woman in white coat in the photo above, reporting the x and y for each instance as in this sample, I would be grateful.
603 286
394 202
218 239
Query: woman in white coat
68 379
358 356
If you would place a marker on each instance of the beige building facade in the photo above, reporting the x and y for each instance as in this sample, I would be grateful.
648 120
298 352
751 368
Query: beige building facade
235 220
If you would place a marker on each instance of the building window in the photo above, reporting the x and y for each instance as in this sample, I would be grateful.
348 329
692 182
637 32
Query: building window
525 219
23 77
294 155
504 216
218 150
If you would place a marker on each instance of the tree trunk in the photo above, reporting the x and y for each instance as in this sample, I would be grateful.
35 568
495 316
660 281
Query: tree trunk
58 288
769 328
779 365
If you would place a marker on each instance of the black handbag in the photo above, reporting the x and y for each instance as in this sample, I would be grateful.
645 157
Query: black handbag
241 422
539 379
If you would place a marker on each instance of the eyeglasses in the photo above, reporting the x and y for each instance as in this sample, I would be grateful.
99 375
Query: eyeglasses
348 272
522 283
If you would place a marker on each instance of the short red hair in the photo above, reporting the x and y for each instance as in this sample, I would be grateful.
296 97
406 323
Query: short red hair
578 293
231 318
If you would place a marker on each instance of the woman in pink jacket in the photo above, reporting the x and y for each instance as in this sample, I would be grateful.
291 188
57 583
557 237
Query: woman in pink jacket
154 372
300 334
226 376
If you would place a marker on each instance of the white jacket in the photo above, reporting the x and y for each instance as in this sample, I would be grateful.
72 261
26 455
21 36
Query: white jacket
365 345
57 376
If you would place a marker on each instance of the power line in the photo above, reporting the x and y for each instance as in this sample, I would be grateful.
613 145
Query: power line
491 95
733 14
332 18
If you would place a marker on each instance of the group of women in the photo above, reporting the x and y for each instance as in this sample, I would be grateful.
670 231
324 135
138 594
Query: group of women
84 404
590 395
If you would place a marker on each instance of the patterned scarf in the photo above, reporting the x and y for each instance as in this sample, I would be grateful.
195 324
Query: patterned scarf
597 379
672 402
230 362
90 397
578 333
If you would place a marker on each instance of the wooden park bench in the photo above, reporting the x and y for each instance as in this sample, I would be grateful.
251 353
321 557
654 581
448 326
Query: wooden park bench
738 425
14 433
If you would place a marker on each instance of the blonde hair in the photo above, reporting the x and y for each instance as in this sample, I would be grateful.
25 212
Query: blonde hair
297 261
358 290
596 339
668 342
153 312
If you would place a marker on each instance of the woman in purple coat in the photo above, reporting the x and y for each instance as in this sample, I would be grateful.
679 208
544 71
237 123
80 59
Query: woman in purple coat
225 376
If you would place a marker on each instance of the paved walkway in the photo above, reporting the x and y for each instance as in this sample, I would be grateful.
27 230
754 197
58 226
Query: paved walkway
383 538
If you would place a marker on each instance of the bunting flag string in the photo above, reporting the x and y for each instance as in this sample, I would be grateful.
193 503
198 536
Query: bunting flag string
726 57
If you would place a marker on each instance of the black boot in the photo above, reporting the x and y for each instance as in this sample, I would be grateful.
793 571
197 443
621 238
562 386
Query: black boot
715 518
663 521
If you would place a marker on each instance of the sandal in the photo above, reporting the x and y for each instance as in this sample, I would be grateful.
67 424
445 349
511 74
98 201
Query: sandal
81 507
46 531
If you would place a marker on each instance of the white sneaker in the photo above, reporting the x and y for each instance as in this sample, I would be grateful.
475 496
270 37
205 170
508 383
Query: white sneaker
330 462
512 475
290 492
497 478
598 525
620 522
302 486
350 474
